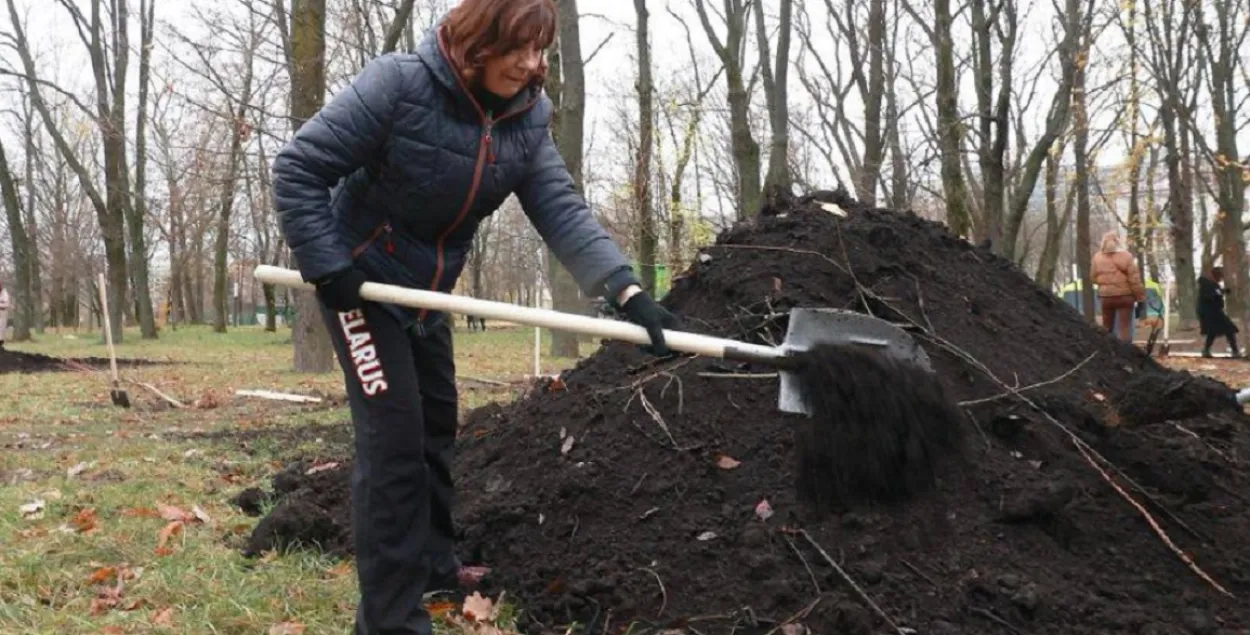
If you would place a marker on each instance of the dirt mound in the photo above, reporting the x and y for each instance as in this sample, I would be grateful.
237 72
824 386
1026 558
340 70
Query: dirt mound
674 503
20 362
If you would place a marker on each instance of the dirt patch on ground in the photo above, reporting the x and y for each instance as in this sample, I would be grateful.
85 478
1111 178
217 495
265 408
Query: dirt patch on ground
19 362
674 504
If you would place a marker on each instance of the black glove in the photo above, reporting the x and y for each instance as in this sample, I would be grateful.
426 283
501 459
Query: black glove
642 310
341 291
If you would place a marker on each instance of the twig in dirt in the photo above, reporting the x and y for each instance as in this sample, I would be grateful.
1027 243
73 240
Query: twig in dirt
858 591
663 591
1012 391
977 425
483 380
638 484
917 571
714 375
156 391
920 303
801 614
1203 442
850 271
655 414
989 615
1154 525
804 561
681 398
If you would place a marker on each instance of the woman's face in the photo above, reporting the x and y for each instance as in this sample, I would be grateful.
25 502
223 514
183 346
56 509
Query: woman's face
507 74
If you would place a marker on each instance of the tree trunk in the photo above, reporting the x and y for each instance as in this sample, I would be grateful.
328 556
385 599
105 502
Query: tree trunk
647 239
746 151
32 227
313 350
1080 123
137 211
567 87
776 93
21 296
950 130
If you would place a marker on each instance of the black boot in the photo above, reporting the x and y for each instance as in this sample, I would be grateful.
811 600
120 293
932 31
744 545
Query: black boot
1206 351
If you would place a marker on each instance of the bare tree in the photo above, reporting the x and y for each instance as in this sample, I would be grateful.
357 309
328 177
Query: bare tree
776 92
647 238
21 252
732 54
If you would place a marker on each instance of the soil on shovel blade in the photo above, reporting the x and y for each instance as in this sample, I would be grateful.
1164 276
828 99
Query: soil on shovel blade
20 362
662 494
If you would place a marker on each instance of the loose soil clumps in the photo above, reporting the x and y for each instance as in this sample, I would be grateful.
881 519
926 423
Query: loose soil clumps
664 493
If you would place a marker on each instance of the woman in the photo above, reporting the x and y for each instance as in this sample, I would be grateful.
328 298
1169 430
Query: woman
1119 285
388 183
1212 320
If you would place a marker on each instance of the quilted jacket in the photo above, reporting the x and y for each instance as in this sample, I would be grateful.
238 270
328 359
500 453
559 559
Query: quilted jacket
398 169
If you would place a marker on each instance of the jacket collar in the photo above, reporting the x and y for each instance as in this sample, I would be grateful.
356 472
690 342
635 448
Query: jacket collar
432 52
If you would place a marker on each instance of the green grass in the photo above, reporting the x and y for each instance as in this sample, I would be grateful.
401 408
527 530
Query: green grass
100 520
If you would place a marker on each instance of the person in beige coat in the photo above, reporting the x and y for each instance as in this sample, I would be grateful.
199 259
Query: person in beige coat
1120 287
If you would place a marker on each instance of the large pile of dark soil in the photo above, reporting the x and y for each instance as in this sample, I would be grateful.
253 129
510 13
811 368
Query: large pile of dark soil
20 362
651 513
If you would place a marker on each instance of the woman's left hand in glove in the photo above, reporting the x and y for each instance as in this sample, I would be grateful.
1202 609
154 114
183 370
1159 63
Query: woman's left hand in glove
642 309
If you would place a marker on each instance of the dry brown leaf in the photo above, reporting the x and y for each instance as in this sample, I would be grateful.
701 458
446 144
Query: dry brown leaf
140 512
199 514
726 462
164 617
112 630
794 628
478 608
440 609
171 513
84 520
101 575
167 532
339 570
287 628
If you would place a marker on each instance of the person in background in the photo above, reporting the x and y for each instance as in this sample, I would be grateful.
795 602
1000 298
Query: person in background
1120 287
4 314
1212 320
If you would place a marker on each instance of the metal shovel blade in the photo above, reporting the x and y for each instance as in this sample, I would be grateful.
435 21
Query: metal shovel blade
810 327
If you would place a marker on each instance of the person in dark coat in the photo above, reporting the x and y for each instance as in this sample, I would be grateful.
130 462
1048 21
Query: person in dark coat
388 183
1212 320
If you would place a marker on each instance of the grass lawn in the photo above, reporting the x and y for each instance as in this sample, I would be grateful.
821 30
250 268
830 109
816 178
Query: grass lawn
116 520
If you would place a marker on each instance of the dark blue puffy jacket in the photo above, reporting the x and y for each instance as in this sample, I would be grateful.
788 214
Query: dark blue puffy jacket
397 170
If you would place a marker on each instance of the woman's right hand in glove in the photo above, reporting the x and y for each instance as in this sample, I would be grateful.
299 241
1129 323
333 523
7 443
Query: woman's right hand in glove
341 291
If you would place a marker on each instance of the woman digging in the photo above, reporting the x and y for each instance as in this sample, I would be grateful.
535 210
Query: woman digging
388 183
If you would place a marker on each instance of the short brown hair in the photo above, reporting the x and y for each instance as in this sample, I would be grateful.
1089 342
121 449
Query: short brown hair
477 30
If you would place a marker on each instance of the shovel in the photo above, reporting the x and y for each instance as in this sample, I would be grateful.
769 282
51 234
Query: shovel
118 395
876 418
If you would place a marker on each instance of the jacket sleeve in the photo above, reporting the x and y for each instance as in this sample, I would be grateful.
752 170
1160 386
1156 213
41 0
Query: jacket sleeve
563 219
340 138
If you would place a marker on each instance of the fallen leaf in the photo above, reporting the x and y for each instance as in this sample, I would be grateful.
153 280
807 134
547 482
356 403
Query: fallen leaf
287 628
84 520
140 512
726 462
706 536
164 617
76 470
776 284
339 570
566 445
167 532
478 608
171 513
836 211
794 629
32 510
763 510
103 574
199 514
440 609
112 630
